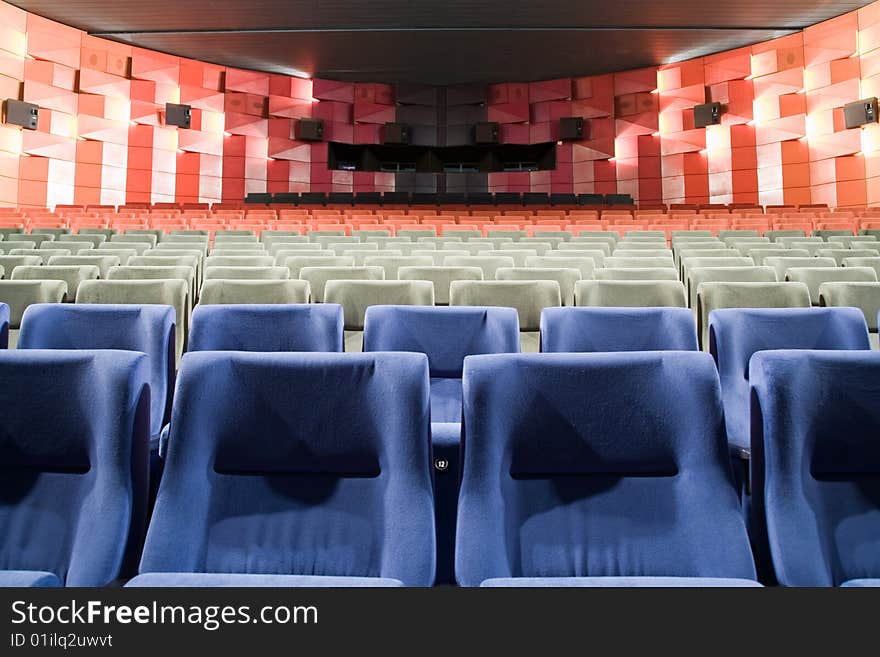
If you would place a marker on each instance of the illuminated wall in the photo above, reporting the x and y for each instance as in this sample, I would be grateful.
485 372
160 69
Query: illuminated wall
101 137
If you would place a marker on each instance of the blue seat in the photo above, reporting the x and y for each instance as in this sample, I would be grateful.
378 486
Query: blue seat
588 329
295 464
267 328
446 334
816 465
4 326
74 432
737 333
148 329
564 478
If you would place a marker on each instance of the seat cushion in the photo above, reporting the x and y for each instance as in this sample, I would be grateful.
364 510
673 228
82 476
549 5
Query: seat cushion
618 582
867 583
202 580
28 579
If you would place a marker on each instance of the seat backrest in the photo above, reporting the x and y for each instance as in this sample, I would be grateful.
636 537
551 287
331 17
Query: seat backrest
248 273
698 275
102 262
596 255
783 264
278 327
296 263
736 334
10 262
294 477
441 277
317 277
43 254
637 293
566 277
582 493
391 264
813 277
617 329
528 297
73 275
489 264
18 295
356 296
124 255
149 329
637 274
75 462
615 262
862 295
226 291
715 295
4 325
815 464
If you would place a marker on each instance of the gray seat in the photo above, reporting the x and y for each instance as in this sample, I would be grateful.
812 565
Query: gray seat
75 248
873 262
340 248
408 249
855 241
565 277
391 264
237 253
610 241
622 252
715 251
489 264
248 273
55 232
738 233
9 263
417 233
596 255
73 275
705 262
699 275
94 240
124 255
361 256
275 248
636 274
472 248
542 246
295 263
519 255
813 277
442 278
37 239
758 255
840 255
495 242
164 292
239 261
439 240
461 234
855 294
155 232
175 253
10 245
529 298
282 255
774 235
187 247
224 291
586 266
557 236
44 254
138 247
102 262
639 294
18 295
154 272
641 263
371 233
437 257
782 264
512 234
356 296
715 295
107 233
389 242
317 277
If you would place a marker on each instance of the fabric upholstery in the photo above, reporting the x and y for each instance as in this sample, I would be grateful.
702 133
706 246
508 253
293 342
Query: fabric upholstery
247 273
566 278
147 329
637 274
297 262
320 467
619 582
73 275
266 328
585 251
749 274
557 484
239 261
813 277
816 460
864 296
124 255
102 262
356 296
617 262
736 334
391 264
29 579
10 262
489 264
617 329
225 291
18 295
839 254
586 266
4 325
317 277
630 293
74 431
206 580
529 298
441 277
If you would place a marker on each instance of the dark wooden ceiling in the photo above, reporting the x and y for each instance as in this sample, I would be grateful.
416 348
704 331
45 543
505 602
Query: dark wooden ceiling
439 42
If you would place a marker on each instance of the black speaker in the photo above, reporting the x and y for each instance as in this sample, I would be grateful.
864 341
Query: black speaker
571 127
860 112
487 133
397 133
707 114
22 114
309 130
179 115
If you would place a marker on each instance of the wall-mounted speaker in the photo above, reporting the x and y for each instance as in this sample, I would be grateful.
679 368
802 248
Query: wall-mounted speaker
396 133
707 114
179 115
487 133
22 114
309 130
860 112
571 127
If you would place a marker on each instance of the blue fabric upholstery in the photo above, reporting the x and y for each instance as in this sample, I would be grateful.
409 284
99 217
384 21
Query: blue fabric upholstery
816 463
737 333
204 580
862 583
74 431
566 478
29 579
147 329
4 326
446 335
619 582
587 329
297 464
284 327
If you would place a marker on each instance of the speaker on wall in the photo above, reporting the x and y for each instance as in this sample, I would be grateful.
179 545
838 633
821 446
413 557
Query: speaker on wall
487 133
309 130
707 114
396 133
179 115
860 112
571 127
21 114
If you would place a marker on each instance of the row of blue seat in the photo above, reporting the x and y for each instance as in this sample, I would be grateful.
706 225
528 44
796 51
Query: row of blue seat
602 469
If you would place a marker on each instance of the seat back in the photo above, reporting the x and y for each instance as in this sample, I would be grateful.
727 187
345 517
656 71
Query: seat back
247 273
294 477
528 297
73 275
317 277
75 462
356 296
226 291
814 277
862 295
582 493
635 293
617 329
736 334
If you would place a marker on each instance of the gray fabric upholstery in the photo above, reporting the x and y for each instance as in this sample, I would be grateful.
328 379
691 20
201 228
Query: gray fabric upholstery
138 247
391 264
873 262
361 256
639 294
586 266
295 263
596 255
813 277
636 274
519 255
75 247
11 262
73 275
43 254
239 261
441 277
292 248
248 273
102 262
698 275
781 264
225 291
124 255
565 277
862 295
317 277
94 240
760 253
489 264
624 263
840 255
19 294
528 297
356 296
